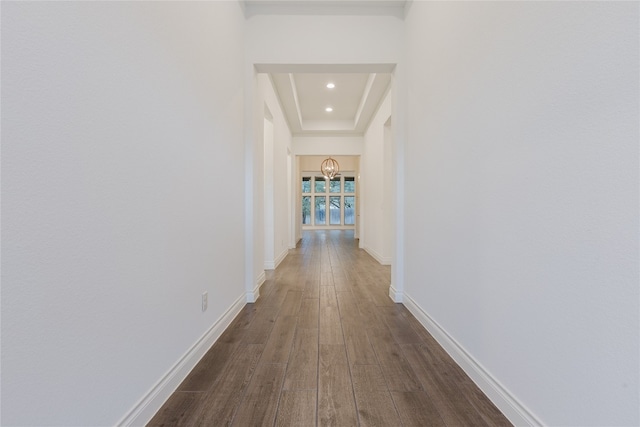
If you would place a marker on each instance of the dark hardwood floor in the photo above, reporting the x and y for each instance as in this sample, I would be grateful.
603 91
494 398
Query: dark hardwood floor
325 346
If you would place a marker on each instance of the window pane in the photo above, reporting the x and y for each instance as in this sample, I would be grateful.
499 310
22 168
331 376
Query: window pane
349 184
334 210
321 185
334 186
349 210
306 185
306 210
321 209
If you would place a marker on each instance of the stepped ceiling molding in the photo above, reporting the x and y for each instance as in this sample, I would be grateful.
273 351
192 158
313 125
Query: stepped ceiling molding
305 97
324 7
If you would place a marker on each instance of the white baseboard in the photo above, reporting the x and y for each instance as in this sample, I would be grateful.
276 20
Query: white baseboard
255 293
507 403
281 257
294 243
152 401
382 260
272 265
395 295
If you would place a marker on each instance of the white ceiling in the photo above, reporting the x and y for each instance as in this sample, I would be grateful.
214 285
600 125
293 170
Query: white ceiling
313 95
302 88
355 98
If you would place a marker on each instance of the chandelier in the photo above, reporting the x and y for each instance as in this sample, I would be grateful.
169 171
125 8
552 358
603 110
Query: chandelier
330 168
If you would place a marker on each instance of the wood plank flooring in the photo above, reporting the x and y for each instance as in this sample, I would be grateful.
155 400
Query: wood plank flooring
325 346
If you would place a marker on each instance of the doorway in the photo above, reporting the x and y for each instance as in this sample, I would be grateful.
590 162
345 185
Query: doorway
368 136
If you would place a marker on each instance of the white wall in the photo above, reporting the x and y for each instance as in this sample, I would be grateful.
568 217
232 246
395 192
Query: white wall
522 197
297 202
272 230
282 143
121 144
312 163
323 39
376 189
268 195
325 145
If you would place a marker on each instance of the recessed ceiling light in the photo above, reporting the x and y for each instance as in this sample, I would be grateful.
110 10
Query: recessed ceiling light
328 109
330 85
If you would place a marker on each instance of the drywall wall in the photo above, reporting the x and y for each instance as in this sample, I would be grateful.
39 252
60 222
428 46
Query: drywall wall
323 39
312 163
278 197
297 215
376 179
326 145
268 189
522 197
122 188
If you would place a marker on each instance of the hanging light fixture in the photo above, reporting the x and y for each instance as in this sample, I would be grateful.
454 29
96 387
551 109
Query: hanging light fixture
330 168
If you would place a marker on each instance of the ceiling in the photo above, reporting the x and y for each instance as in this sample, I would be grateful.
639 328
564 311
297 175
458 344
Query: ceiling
359 89
304 96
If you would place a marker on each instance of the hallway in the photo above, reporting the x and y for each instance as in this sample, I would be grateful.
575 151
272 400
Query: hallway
324 345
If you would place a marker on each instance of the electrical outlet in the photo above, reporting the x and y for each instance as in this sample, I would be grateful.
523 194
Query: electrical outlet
205 301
